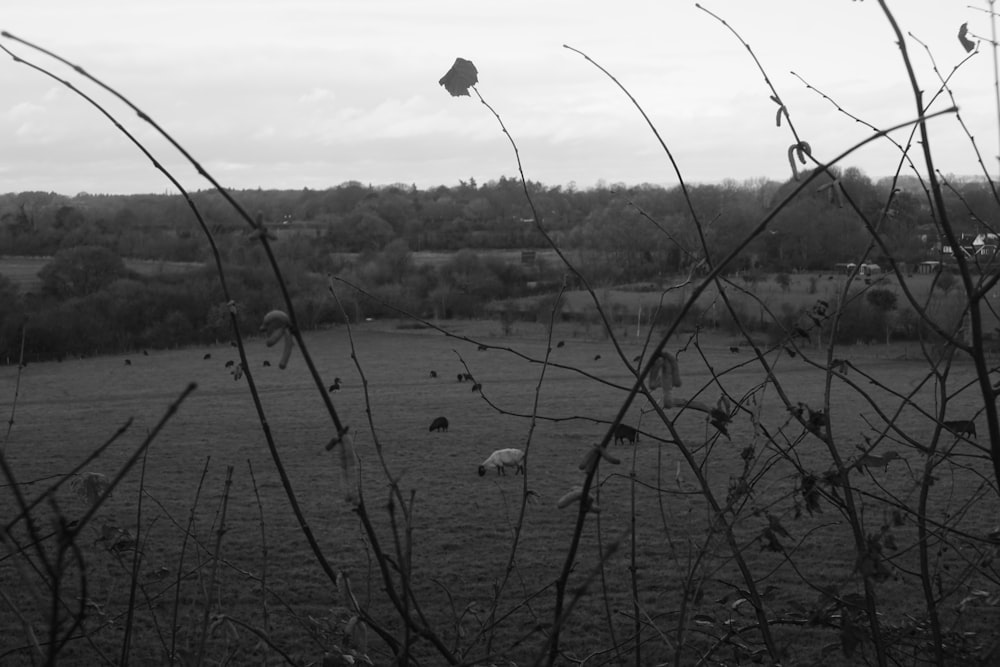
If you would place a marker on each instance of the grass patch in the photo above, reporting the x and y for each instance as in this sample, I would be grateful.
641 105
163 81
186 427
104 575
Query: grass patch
462 523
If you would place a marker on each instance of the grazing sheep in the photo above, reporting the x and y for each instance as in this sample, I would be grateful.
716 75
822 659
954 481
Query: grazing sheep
334 387
434 374
208 355
128 362
267 363
477 387
596 357
230 363
625 432
961 427
461 377
468 376
502 459
872 461
439 424
560 343
483 348
734 349
145 353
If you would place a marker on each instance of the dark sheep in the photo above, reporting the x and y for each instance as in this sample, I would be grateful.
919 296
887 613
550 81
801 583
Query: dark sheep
477 387
439 424
961 427
267 363
483 348
145 353
230 363
461 377
560 343
208 355
734 349
625 432
128 362
434 374
335 386
596 357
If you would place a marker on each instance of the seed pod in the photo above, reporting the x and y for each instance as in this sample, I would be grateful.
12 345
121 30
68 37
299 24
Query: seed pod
275 336
791 162
590 460
349 468
570 497
606 455
287 352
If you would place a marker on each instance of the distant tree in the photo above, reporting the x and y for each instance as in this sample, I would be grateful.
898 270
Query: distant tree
363 230
10 316
80 271
751 277
945 281
884 301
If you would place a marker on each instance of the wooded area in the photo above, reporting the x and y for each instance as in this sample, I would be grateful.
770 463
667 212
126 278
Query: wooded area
89 303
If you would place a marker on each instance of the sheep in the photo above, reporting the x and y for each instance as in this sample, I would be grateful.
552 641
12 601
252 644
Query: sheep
267 363
128 362
597 357
502 459
560 343
434 374
334 387
208 355
872 461
625 432
461 377
439 424
734 349
961 427
230 363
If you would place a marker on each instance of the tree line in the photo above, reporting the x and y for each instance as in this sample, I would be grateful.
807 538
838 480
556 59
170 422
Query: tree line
620 225
89 303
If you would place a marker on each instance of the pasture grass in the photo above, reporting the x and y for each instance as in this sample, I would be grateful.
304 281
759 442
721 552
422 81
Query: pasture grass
463 524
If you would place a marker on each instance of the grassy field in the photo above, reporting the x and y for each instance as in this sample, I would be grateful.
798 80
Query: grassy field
462 523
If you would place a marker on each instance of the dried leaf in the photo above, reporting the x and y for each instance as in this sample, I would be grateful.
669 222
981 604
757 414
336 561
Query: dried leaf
775 524
809 487
462 76
967 43
770 542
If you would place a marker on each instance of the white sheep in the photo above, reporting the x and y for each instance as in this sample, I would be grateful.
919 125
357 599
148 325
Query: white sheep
502 459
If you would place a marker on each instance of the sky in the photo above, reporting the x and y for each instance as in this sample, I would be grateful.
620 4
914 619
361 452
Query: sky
313 93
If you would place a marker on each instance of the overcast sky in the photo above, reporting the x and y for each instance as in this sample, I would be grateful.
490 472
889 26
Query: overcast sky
312 93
